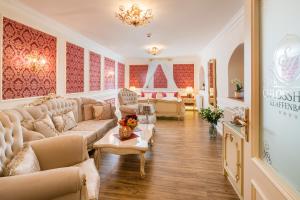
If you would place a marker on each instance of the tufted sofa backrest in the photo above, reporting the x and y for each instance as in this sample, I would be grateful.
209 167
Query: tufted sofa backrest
81 101
127 97
52 107
11 138
61 105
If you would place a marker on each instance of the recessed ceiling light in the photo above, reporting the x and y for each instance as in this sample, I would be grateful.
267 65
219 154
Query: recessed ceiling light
153 51
149 35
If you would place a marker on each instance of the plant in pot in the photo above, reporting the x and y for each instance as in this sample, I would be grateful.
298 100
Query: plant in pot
239 89
212 116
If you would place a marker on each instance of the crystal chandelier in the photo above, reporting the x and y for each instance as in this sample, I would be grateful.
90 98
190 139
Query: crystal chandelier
134 16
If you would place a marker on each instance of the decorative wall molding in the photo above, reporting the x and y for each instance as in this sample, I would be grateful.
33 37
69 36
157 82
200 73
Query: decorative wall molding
184 75
26 15
121 75
160 79
137 75
74 68
20 78
236 19
95 71
109 73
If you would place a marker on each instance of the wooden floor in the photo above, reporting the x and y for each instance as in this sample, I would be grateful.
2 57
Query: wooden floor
184 163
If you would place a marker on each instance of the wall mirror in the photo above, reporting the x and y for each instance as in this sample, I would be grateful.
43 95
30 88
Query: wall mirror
212 85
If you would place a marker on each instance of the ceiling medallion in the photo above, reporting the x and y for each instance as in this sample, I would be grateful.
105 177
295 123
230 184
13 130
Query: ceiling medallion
153 51
134 16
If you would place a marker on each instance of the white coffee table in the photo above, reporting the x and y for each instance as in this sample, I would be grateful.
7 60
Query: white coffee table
139 145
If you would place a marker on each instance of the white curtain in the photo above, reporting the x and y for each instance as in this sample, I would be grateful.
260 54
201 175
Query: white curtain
150 74
167 68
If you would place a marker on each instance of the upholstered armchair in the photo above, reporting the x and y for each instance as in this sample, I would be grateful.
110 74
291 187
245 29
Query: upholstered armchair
66 172
128 102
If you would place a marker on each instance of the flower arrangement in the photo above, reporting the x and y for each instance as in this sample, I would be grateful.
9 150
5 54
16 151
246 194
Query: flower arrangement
212 116
130 120
238 85
127 125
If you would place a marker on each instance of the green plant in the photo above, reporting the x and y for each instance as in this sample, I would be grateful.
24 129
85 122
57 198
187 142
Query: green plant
238 85
212 116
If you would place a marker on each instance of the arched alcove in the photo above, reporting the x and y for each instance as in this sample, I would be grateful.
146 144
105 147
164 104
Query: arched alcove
201 78
236 70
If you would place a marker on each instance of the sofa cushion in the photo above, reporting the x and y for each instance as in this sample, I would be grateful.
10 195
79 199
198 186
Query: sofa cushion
98 111
99 127
88 112
28 124
58 122
24 162
64 122
90 136
45 126
69 120
102 111
92 178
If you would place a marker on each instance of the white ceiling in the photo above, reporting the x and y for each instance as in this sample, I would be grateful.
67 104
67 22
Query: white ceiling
180 27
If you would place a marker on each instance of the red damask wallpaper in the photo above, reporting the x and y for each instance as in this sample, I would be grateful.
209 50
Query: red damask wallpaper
109 73
137 75
183 75
20 79
75 68
95 71
160 80
121 75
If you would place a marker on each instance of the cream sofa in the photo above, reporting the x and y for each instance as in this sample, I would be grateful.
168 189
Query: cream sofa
91 130
66 173
128 102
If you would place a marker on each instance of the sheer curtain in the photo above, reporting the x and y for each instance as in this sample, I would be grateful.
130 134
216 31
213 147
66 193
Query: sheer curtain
167 68
150 74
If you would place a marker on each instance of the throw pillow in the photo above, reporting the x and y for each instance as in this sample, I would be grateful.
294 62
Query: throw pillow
28 124
64 122
98 110
24 162
45 126
102 112
148 95
69 120
88 112
58 122
170 94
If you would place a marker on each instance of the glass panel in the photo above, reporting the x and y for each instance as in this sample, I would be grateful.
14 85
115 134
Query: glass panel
280 65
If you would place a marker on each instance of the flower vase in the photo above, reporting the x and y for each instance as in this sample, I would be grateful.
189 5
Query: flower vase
238 95
125 132
213 131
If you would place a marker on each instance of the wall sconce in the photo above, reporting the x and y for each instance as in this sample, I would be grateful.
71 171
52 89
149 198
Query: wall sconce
35 61
110 74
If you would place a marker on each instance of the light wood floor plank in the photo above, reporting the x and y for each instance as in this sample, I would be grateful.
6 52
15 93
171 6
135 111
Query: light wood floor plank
183 164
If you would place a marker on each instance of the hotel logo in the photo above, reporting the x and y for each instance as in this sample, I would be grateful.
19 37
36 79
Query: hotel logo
287 59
